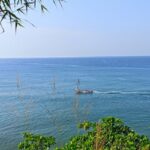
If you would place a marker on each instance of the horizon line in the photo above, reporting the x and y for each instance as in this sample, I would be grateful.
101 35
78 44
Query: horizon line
43 57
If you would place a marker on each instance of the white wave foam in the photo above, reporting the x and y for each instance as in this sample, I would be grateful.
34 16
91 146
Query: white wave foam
122 92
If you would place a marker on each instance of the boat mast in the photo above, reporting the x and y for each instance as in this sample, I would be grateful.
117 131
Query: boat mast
78 84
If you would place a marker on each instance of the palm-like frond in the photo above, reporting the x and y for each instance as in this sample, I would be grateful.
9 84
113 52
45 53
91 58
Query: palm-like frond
11 10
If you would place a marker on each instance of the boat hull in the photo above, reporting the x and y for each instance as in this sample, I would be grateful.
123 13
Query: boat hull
84 92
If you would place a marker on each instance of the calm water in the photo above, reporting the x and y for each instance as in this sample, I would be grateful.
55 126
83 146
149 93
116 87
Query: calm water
37 95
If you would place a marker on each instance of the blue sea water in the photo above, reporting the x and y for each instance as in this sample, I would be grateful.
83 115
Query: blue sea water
37 95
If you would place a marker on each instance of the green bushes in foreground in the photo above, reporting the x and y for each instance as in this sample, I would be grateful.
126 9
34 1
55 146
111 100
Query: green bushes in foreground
108 134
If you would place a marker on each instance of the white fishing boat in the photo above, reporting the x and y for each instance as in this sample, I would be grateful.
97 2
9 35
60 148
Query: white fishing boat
79 91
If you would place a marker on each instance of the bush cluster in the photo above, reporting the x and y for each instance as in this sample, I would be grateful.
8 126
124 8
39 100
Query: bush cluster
108 134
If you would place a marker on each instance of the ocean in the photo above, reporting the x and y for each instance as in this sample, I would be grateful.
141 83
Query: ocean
38 95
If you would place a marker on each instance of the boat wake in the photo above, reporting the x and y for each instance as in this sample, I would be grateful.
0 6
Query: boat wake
122 92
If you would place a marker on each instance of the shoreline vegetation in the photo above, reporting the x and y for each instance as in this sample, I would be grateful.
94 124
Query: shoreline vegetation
108 134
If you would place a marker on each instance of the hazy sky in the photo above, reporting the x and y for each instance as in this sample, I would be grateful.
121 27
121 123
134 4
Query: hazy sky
83 28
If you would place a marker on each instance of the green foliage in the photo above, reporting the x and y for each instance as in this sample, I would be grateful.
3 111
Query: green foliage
86 125
10 10
36 142
108 134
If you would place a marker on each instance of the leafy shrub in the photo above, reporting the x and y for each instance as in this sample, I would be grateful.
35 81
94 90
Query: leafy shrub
108 134
36 142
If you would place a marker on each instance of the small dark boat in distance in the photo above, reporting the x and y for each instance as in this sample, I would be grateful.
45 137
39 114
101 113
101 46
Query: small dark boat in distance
78 91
